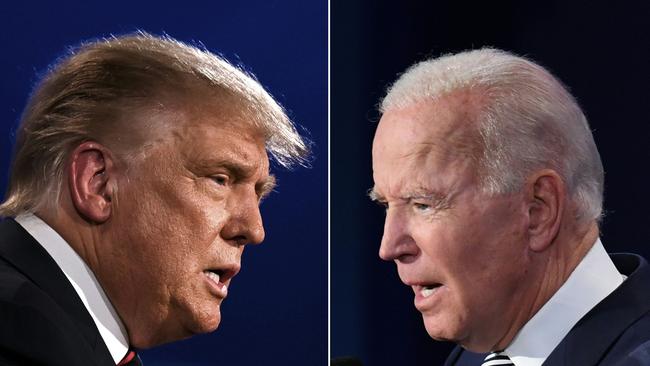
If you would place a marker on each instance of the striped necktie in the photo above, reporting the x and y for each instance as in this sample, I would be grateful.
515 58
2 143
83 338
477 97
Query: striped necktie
497 358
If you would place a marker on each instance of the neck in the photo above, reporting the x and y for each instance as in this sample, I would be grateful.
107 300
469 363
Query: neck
78 233
551 270
93 241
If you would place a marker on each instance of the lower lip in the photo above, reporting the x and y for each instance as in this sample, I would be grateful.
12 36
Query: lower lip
426 303
218 289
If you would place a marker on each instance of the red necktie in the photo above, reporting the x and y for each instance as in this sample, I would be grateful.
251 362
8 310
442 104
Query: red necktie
128 358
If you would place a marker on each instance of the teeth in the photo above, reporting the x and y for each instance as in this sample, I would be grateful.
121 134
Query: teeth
216 278
427 291
213 276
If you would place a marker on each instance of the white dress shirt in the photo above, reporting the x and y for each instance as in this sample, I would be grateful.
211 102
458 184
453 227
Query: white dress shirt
84 282
593 279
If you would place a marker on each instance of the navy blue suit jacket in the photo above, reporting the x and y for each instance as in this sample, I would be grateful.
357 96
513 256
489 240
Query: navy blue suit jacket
42 319
616 332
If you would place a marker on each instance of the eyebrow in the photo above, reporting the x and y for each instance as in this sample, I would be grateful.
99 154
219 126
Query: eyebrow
266 186
241 170
375 196
238 168
417 193
425 193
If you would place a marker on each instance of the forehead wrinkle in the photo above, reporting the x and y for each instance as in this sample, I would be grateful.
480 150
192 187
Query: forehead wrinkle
459 146
454 141
453 124
210 155
430 175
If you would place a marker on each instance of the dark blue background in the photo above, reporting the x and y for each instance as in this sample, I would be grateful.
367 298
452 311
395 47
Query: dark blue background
277 309
601 50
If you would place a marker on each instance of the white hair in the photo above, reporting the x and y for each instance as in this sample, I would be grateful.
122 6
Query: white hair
527 120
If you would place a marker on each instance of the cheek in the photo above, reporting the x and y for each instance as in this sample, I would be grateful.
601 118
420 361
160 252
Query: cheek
454 248
491 265
184 208
471 255
166 224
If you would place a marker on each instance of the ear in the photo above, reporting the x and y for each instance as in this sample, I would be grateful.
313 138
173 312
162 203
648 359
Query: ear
546 193
91 171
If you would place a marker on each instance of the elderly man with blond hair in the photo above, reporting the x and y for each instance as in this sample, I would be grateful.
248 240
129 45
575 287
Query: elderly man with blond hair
493 191
139 166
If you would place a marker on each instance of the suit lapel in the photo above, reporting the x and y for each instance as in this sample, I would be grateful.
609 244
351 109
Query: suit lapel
608 319
30 258
452 359
461 357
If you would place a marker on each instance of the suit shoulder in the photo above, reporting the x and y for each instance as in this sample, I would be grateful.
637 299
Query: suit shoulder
30 335
633 346
17 289
34 328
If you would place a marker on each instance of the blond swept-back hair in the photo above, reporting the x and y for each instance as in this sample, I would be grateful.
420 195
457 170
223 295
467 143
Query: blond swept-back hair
88 94
527 120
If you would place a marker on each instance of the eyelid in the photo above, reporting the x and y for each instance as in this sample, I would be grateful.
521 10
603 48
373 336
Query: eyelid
221 179
437 204
420 205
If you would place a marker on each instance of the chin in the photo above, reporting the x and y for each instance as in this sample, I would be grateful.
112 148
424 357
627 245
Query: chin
178 329
456 335
209 326
205 320
440 330
440 337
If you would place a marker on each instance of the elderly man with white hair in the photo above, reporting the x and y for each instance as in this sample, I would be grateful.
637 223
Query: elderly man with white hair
493 191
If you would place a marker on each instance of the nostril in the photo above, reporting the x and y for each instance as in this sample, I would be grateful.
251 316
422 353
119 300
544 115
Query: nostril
239 240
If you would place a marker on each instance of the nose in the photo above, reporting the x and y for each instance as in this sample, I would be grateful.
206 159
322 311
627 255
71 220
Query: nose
397 242
244 224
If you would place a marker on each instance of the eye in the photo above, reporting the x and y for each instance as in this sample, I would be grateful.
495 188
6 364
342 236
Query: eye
422 207
220 179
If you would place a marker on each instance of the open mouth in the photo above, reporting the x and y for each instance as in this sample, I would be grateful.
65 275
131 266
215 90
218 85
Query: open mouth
214 275
220 278
428 290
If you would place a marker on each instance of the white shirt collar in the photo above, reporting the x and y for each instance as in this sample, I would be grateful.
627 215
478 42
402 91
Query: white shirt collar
593 279
84 282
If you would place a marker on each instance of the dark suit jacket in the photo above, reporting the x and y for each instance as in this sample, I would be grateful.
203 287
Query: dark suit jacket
42 319
616 332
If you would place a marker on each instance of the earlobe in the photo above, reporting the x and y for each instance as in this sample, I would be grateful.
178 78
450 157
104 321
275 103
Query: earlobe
90 175
546 194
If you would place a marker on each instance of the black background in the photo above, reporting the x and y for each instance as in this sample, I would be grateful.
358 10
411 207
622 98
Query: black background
601 50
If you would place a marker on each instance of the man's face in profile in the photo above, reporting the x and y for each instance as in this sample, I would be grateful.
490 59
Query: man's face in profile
183 214
460 250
